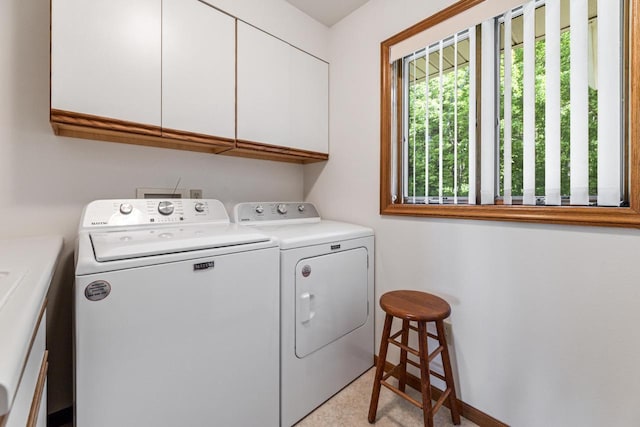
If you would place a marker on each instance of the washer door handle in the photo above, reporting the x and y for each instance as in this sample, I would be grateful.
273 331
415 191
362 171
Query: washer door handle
305 307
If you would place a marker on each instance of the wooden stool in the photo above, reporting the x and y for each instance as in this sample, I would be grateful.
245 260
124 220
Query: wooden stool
420 307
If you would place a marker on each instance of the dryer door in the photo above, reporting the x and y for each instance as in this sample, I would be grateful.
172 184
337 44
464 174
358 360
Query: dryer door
331 298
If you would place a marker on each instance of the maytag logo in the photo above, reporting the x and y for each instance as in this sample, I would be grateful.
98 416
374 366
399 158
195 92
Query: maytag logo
203 266
98 222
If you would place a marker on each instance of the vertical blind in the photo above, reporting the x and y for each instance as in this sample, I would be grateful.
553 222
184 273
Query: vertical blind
579 103
552 110
594 61
609 103
529 99
542 136
488 106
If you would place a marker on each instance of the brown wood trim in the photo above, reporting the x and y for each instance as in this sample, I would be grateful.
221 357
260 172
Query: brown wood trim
567 215
180 135
634 106
37 396
78 125
84 132
98 122
86 126
469 412
385 127
272 152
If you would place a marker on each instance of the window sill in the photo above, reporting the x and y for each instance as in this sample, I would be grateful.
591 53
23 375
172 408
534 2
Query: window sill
566 215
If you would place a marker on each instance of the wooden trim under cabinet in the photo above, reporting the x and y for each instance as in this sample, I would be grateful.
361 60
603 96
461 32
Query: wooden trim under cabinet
60 117
257 150
179 135
87 126
38 394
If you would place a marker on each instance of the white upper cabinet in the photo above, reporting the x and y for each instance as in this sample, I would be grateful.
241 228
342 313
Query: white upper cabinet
106 58
198 69
183 74
283 93
309 102
263 87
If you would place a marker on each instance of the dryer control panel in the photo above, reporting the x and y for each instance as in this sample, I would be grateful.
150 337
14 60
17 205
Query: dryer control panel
132 212
274 211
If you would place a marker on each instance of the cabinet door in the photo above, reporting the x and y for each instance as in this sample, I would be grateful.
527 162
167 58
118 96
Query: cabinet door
198 69
309 102
105 58
263 87
283 93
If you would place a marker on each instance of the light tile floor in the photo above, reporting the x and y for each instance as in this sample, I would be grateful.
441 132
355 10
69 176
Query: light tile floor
349 408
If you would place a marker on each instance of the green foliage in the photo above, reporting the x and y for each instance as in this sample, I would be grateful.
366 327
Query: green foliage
424 159
455 147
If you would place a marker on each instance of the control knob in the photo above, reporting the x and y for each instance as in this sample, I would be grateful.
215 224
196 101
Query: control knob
259 209
165 208
126 208
199 207
300 208
282 208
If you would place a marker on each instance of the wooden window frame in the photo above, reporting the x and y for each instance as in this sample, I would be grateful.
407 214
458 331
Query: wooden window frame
628 217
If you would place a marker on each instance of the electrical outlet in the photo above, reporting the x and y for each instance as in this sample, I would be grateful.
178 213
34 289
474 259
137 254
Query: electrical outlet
195 194
448 332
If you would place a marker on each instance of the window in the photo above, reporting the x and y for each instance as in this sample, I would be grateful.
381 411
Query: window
520 115
436 126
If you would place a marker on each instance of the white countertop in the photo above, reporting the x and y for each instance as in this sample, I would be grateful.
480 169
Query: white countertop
26 268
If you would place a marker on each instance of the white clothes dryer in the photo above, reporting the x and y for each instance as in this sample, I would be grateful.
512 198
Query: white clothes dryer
176 317
326 309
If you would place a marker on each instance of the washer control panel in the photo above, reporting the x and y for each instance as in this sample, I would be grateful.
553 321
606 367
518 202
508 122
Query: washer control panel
111 213
274 211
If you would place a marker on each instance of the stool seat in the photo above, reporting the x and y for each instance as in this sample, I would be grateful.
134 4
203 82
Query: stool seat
415 305
421 308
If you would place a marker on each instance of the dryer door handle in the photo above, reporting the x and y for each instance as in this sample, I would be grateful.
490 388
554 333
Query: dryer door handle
305 307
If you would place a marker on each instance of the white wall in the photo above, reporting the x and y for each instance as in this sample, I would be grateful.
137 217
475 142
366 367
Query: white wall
544 317
282 20
46 180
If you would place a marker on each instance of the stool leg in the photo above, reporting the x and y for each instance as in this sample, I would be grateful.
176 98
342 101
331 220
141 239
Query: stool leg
402 375
382 358
448 373
425 380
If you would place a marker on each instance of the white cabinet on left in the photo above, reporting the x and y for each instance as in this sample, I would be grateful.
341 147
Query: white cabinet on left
106 59
182 74
150 72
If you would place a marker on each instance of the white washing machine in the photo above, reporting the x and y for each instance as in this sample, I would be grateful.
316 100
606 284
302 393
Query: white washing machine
326 291
176 317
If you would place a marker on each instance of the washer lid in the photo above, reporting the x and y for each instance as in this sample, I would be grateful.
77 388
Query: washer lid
291 236
118 245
